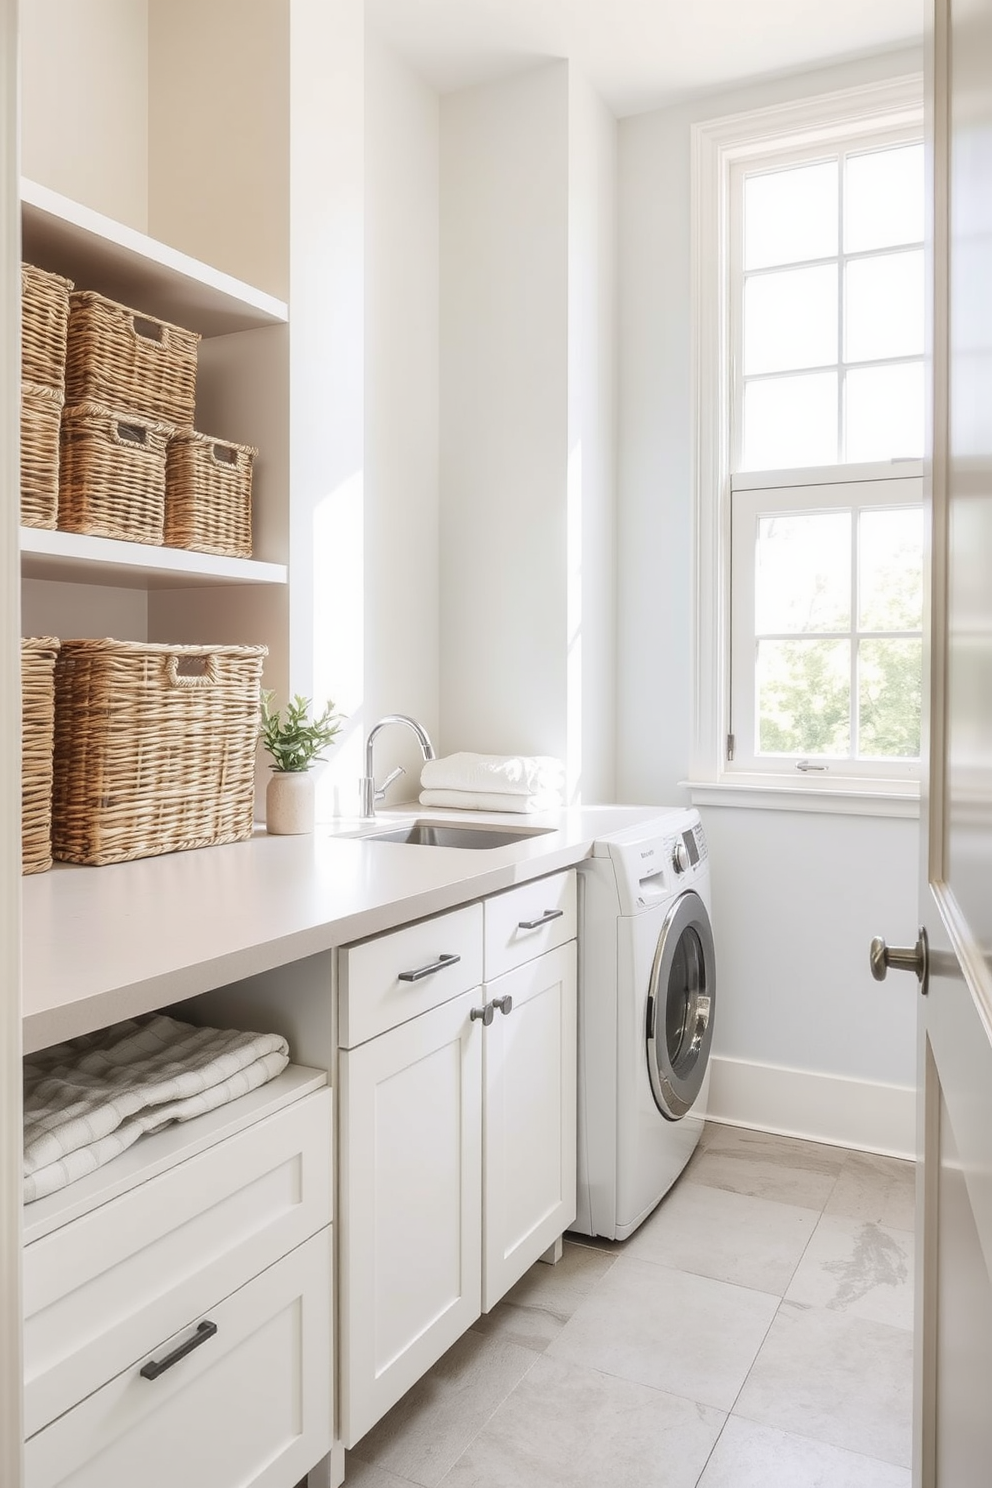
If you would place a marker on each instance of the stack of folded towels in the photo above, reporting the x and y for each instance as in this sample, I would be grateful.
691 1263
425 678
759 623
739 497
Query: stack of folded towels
87 1100
493 782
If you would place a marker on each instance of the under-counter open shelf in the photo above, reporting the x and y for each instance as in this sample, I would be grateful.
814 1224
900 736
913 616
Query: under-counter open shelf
98 253
156 1152
75 558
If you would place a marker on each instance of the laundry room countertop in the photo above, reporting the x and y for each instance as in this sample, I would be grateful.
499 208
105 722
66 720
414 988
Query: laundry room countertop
102 944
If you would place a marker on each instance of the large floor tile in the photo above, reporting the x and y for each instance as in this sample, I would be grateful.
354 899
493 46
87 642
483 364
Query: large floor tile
879 1189
570 1426
730 1236
840 1379
858 1267
431 1426
358 1474
689 1335
766 1167
750 1456
535 1310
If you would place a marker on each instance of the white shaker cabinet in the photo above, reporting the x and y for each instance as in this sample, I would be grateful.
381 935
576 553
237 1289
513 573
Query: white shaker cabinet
457 1130
529 1120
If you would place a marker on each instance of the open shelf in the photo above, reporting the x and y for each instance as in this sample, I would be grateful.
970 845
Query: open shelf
155 1152
72 558
97 253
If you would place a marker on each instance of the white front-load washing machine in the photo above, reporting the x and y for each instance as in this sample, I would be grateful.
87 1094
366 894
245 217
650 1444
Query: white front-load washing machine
647 988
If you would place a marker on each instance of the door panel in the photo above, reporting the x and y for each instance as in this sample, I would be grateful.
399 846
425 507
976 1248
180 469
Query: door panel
954 1317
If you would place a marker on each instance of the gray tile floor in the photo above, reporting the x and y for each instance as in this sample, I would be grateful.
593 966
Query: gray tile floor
756 1330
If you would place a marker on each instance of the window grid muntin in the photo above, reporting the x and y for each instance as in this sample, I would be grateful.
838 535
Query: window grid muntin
854 635
841 151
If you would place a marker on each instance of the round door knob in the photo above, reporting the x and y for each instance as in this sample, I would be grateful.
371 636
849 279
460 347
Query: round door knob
484 1014
680 857
505 1004
900 958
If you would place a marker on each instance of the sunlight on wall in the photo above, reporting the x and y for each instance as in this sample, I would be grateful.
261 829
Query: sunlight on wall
573 622
338 566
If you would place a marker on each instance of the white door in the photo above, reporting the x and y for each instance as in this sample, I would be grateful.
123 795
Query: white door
10 779
411 1203
528 1117
953 1447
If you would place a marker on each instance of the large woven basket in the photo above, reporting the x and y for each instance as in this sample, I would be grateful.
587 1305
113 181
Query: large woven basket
154 748
208 495
124 359
112 477
41 413
44 317
37 726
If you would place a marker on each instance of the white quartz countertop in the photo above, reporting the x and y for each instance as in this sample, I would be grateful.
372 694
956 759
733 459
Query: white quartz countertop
101 944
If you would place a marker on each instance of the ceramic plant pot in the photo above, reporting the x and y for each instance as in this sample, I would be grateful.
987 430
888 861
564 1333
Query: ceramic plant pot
289 803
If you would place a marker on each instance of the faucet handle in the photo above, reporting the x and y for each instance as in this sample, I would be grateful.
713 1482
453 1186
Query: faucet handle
380 791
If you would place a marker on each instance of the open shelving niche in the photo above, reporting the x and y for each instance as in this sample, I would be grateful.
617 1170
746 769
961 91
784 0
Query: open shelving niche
98 253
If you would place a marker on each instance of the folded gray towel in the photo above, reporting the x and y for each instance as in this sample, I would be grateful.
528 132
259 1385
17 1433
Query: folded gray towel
87 1100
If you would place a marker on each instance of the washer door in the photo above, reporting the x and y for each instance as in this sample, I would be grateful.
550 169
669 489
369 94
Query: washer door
680 1006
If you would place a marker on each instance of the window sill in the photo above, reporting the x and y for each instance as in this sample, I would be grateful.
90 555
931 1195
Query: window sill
855 800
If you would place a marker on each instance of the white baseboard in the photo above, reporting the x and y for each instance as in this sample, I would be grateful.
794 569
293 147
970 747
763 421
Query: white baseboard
817 1107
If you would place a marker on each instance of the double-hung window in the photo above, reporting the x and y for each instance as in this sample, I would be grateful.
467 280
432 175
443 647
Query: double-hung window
813 479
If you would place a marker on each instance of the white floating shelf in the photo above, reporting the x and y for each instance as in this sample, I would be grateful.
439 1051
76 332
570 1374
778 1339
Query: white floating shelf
98 253
71 557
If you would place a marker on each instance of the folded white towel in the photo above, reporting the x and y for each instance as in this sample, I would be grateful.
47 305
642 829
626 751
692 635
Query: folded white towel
516 774
491 800
87 1100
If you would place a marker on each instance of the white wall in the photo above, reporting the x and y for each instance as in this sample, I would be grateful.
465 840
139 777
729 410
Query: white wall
591 477
84 117
504 414
796 895
401 407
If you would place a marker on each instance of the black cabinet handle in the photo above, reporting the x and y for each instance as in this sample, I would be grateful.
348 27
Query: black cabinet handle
545 918
155 1367
422 971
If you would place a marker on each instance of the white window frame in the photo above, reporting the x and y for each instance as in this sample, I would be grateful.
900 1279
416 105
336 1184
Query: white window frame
717 146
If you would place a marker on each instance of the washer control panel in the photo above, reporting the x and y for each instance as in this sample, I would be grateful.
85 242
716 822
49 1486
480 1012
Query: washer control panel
656 860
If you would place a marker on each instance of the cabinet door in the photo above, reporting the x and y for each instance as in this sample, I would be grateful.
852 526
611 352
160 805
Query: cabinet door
411 1199
528 1118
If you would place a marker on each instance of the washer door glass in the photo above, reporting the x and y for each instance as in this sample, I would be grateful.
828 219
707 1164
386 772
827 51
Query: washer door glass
680 1006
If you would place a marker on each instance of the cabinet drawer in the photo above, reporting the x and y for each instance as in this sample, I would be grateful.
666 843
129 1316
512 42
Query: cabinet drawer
251 1405
102 1288
527 921
393 977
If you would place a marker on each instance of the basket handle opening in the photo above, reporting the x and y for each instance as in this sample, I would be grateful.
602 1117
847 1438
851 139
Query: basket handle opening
224 454
148 330
192 671
132 434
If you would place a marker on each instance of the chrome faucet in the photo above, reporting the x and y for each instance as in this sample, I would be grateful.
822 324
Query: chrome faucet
370 792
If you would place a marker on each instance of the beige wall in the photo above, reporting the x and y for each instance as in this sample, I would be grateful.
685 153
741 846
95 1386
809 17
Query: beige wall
84 119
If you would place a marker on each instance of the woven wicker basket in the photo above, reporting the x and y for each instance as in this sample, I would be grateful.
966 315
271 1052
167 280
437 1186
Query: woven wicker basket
37 726
41 413
208 495
44 317
154 748
112 477
124 359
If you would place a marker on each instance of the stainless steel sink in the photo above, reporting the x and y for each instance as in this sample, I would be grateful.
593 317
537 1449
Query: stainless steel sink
453 834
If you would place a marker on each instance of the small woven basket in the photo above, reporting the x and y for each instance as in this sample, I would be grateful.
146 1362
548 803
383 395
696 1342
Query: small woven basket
37 728
208 495
124 359
41 414
112 477
44 317
154 748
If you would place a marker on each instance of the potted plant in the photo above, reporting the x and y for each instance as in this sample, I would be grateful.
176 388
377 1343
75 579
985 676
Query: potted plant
295 740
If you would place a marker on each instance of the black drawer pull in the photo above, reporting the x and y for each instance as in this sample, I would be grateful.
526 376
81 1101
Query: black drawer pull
422 971
545 918
155 1367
